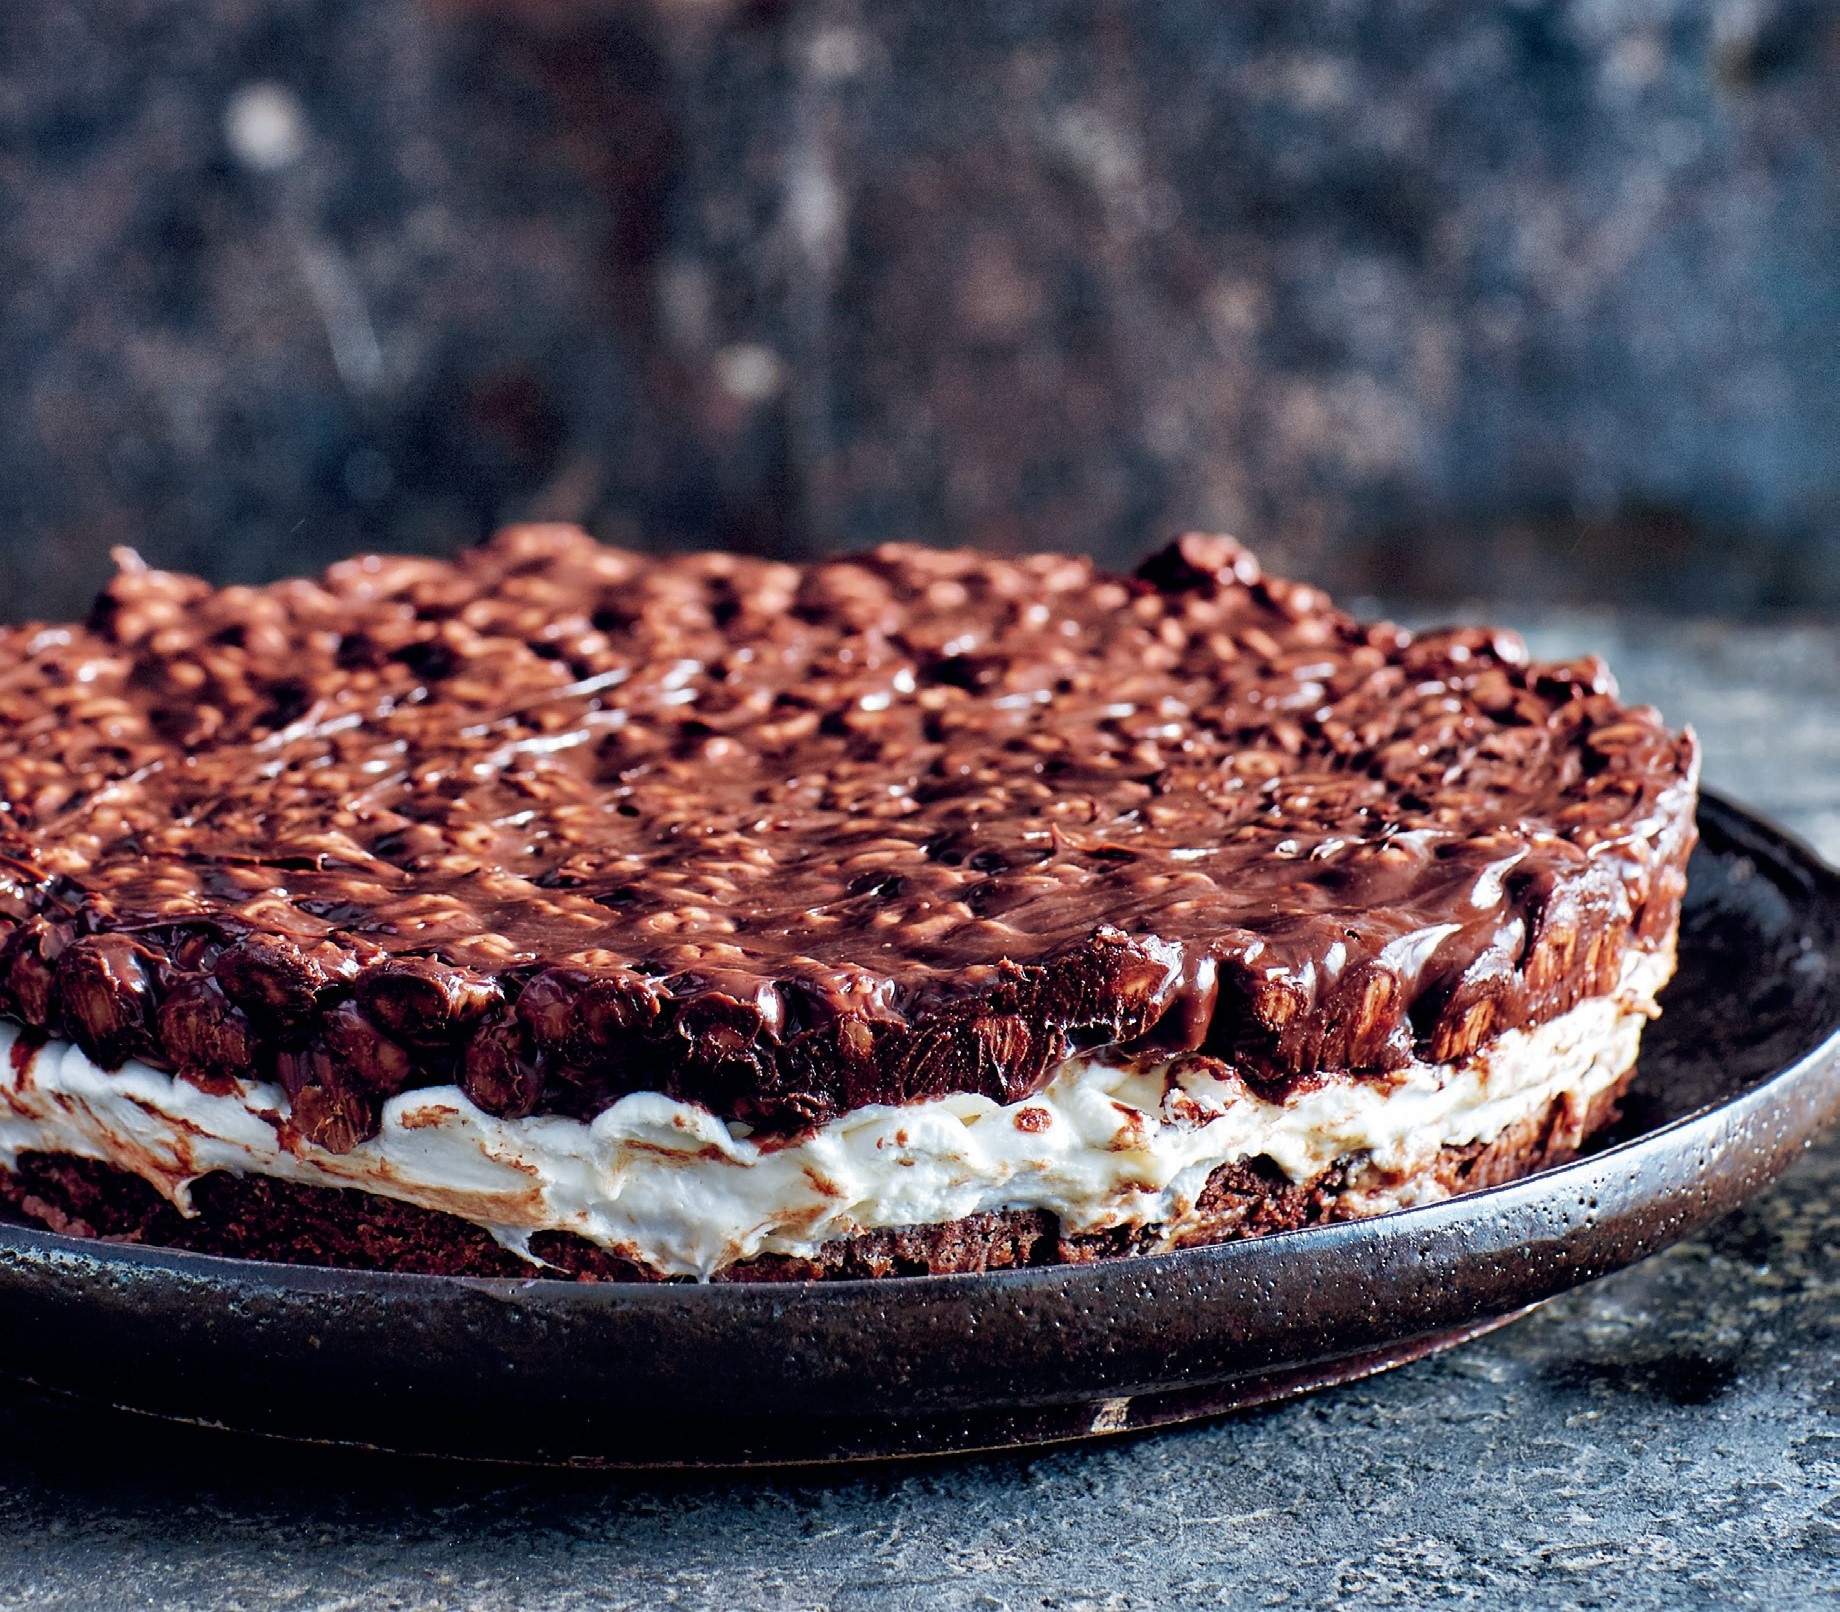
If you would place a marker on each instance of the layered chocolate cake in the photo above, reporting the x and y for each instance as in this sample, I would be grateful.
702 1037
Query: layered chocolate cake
560 909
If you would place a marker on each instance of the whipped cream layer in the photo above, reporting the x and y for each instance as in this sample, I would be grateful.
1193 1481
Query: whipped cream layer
669 1185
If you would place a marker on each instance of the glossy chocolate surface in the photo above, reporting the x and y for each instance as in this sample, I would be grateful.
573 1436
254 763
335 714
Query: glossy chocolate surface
560 822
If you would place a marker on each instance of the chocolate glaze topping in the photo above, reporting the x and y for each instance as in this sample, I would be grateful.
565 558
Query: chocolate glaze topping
561 822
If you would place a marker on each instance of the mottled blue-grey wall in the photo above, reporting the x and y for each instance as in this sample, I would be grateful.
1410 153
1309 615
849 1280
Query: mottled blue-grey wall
1441 298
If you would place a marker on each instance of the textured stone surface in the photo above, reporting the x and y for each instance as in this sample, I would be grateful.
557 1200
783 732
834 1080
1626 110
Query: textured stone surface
1667 1438
1409 293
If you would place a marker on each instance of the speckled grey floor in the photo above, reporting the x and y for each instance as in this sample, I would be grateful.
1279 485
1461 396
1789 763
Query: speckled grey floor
1669 1437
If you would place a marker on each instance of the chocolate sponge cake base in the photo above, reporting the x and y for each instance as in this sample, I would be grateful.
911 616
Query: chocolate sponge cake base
256 1217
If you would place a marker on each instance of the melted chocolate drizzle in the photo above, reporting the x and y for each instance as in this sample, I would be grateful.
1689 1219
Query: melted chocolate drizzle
559 822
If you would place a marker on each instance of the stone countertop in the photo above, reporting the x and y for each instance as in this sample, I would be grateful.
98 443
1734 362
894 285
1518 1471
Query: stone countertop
1437 298
1668 1437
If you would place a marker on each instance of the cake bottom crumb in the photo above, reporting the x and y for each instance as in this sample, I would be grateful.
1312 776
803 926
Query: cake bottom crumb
261 1218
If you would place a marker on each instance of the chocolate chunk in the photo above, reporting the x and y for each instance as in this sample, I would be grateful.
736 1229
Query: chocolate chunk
327 1106
336 1082
546 1008
275 981
500 1071
363 1054
334 1117
203 1031
613 1009
28 967
107 998
590 1019
1199 560
424 1003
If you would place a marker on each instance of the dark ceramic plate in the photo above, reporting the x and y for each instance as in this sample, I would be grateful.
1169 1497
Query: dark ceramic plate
1740 1073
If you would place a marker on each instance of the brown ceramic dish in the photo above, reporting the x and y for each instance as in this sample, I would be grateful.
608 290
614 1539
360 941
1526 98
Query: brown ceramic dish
1739 1074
